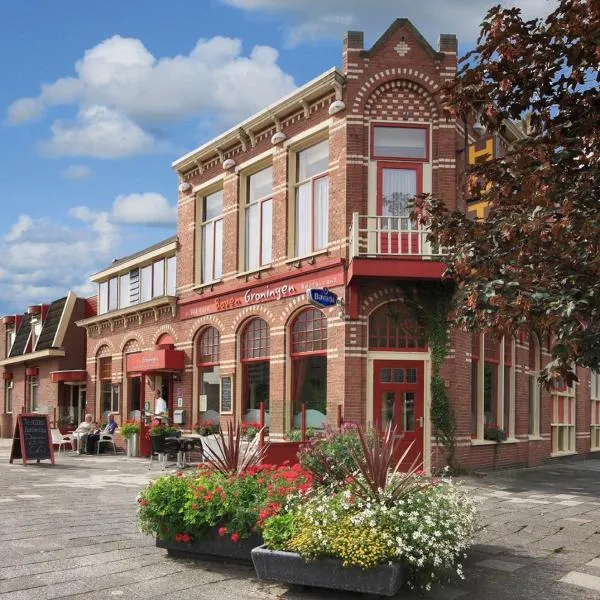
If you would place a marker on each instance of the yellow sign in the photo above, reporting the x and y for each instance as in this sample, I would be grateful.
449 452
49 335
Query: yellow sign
485 153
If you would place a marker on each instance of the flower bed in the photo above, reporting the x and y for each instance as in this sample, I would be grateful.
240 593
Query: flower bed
189 509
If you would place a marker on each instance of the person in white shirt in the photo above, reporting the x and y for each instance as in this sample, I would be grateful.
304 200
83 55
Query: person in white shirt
79 436
160 405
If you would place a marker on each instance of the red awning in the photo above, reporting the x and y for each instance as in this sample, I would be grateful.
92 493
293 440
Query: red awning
155 360
68 376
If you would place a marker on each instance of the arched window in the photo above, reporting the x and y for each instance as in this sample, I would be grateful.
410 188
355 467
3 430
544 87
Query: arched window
393 328
255 350
109 392
133 382
166 339
209 373
309 367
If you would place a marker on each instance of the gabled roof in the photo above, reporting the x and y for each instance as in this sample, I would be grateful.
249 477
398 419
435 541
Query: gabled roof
20 344
392 29
50 326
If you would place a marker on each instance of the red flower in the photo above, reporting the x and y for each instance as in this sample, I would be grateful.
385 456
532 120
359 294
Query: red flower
178 537
185 538
222 531
143 502
235 538
194 507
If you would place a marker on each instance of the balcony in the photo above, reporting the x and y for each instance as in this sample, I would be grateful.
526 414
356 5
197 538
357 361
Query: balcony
374 236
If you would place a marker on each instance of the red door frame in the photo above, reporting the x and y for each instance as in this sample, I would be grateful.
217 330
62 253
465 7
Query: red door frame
418 388
407 242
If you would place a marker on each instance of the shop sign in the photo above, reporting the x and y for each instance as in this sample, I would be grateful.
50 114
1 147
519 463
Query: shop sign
322 298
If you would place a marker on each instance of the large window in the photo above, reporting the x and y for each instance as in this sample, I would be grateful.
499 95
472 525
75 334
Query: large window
312 199
392 327
492 384
259 219
209 373
534 386
397 142
139 285
563 418
595 402
212 237
8 396
309 367
255 351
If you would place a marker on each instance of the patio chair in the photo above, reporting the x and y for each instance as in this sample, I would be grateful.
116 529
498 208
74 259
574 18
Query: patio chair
106 438
163 448
58 439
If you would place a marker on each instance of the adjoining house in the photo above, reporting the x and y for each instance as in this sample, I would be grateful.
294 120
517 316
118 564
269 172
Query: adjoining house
311 195
43 362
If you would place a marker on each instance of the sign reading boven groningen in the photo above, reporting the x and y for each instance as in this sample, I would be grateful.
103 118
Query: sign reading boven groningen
322 298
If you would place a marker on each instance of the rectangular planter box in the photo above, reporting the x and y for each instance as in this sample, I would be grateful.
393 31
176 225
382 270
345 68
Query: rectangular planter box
212 546
288 567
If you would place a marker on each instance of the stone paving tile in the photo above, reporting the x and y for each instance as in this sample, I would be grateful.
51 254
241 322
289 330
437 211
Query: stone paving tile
583 580
500 565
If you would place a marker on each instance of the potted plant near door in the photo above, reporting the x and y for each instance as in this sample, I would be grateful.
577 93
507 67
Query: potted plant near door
130 430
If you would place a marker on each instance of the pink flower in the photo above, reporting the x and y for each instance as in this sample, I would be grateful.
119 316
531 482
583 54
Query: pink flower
222 531
235 538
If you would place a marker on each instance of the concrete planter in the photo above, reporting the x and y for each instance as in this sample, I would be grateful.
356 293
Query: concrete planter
212 546
291 568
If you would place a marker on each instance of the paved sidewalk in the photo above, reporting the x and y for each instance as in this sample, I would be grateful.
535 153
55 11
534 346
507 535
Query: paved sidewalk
69 531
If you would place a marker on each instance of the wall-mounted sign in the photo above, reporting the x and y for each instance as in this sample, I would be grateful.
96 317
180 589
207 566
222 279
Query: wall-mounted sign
259 294
227 394
322 298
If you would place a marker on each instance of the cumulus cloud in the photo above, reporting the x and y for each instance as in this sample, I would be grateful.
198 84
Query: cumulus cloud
310 20
24 223
144 209
98 132
121 89
77 172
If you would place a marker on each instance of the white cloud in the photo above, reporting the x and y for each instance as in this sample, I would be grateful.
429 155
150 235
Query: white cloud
77 172
315 19
144 209
120 88
98 132
23 224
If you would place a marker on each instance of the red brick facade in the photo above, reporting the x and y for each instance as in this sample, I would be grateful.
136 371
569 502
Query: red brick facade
397 82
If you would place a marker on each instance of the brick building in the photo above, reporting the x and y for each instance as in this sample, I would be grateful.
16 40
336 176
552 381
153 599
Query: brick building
312 192
43 362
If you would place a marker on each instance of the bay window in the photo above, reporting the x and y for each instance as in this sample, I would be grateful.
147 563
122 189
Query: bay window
212 237
259 215
312 199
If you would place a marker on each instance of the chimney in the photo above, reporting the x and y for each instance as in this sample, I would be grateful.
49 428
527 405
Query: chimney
447 42
353 42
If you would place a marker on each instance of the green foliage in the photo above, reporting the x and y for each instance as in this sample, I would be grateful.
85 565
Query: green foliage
205 427
162 430
231 455
294 435
278 530
129 429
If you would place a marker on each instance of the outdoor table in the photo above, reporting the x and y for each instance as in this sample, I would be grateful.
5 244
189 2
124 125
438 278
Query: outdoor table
184 445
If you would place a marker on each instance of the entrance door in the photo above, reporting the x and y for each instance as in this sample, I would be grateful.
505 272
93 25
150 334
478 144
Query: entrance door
397 186
398 399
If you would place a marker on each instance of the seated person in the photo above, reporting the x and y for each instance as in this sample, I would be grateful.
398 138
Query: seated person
93 438
80 435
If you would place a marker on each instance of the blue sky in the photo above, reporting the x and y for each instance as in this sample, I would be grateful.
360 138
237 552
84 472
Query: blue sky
97 99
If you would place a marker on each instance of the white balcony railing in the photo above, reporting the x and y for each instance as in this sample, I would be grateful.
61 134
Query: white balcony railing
389 237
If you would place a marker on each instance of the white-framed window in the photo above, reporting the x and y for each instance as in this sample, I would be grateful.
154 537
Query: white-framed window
103 297
212 237
259 219
34 385
492 385
563 418
113 293
171 276
11 334
146 283
595 404
124 291
534 387
158 278
312 199
391 141
36 330
8 396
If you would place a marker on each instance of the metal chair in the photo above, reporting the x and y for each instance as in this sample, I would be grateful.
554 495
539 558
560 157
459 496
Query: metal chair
106 438
60 440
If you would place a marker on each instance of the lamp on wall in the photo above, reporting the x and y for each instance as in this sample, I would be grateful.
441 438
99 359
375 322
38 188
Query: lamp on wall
336 106
185 186
228 164
278 137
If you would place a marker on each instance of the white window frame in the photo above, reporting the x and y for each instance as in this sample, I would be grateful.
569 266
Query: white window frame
8 396
559 429
310 181
206 225
260 203
533 388
34 384
595 408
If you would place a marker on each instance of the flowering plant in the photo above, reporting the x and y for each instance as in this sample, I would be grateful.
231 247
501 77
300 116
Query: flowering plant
161 430
129 429
494 433
428 529
184 507
249 430
205 427
295 435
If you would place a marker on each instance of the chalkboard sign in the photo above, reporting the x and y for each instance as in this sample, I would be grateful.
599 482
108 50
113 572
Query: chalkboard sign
32 439
227 394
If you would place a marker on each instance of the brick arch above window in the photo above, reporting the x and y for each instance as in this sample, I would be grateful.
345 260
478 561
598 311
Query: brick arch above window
401 100
208 346
255 340
394 328
309 332
103 351
132 345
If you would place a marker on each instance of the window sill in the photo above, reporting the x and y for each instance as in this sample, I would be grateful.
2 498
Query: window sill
557 454
483 443
255 272
306 257
594 449
202 286
535 438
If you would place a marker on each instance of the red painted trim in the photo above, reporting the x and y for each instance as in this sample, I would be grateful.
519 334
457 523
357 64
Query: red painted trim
7 376
34 309
8 320
155 360
400 166
399 126
76 375
397 268
32 372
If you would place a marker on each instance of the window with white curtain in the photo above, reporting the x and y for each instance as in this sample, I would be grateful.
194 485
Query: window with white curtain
399 187
399 142
312 199
212 237
259 215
